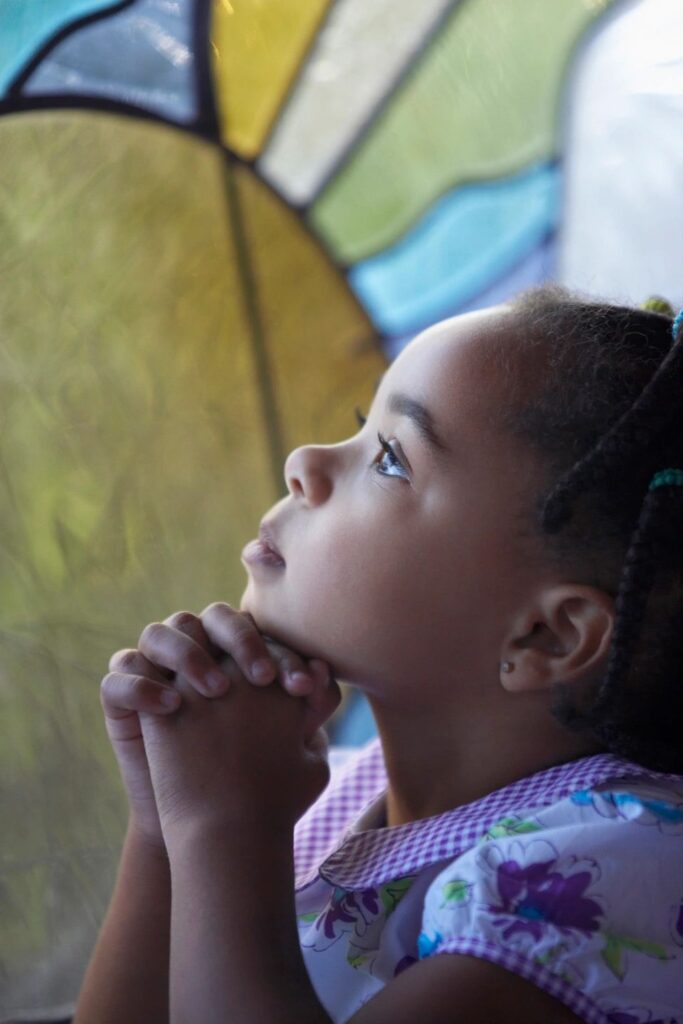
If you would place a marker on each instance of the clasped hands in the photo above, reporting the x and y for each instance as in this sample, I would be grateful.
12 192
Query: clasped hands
216 727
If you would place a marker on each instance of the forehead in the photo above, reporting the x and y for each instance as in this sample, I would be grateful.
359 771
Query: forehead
454 369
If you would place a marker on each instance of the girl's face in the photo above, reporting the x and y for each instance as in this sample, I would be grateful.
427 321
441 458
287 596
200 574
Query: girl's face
402 561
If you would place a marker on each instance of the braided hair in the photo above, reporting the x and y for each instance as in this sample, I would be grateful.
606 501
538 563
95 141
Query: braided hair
607 416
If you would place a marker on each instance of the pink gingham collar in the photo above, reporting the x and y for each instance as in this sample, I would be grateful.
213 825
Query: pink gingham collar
327 845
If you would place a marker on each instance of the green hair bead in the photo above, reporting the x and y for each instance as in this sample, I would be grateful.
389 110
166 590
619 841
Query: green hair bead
667 478
656 304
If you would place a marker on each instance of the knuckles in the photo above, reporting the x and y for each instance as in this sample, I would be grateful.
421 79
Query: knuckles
218 609
105 686
151 634
127 690
123 661
242 626
183 621
244 633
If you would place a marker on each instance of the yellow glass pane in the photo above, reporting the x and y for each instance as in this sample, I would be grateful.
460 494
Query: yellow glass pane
257 46
134 461
323 355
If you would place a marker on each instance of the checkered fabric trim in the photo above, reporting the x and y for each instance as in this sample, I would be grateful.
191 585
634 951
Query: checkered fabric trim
360 781
325 844
577 1001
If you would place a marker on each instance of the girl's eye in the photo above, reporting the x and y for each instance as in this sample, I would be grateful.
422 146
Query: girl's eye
388 461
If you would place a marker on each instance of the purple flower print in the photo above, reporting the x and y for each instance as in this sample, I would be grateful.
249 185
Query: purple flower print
348 908
537 893
345 912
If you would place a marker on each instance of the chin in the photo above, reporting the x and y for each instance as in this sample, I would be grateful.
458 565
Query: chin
271 625
276 626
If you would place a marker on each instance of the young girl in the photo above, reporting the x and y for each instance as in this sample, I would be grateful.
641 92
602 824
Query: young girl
495 559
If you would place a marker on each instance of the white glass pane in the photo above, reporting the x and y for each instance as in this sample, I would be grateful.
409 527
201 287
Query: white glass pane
361 51
623 216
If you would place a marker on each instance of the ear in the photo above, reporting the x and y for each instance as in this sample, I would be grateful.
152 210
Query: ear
562 636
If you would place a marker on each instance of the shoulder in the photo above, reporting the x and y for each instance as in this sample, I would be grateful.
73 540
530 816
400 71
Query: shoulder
583 897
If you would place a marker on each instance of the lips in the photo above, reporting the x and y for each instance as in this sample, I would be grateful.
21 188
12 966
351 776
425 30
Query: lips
263 553
267 539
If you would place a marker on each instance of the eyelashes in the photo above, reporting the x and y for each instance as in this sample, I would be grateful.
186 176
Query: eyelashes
388 452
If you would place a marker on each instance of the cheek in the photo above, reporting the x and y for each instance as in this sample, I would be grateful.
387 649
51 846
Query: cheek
376 601
350 586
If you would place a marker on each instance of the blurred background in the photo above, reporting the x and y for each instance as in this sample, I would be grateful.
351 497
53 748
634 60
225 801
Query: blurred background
219 221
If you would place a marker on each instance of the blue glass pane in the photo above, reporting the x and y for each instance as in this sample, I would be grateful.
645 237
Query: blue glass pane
356 726
467 241
536 268
26 25
140 56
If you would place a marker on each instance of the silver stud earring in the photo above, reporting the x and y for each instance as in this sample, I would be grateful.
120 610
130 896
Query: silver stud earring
507 666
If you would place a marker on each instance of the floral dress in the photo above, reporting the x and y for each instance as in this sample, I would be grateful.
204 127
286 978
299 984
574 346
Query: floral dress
571 878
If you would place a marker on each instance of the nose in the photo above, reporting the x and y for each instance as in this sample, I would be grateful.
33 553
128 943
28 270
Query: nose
308 473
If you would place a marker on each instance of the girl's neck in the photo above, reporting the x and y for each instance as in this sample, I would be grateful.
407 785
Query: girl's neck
436 761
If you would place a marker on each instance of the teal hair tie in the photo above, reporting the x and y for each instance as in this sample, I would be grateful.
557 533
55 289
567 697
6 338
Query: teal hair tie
676 324
667 478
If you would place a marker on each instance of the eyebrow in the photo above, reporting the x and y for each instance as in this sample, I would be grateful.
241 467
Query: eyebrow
404 405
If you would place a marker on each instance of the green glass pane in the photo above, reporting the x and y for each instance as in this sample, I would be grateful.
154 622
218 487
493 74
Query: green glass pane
481 103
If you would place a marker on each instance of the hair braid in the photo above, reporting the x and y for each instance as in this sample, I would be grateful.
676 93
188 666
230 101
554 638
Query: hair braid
607 415
637 578
621 714
630 435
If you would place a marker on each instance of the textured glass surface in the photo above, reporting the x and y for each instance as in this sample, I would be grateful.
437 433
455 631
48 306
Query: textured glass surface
481 103
257 48
468 240
134 463
359 55
321 345
26 25
140 56
623 220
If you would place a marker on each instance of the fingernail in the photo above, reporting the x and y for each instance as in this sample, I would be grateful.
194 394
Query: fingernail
170 698
262 671
217 682
302 681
